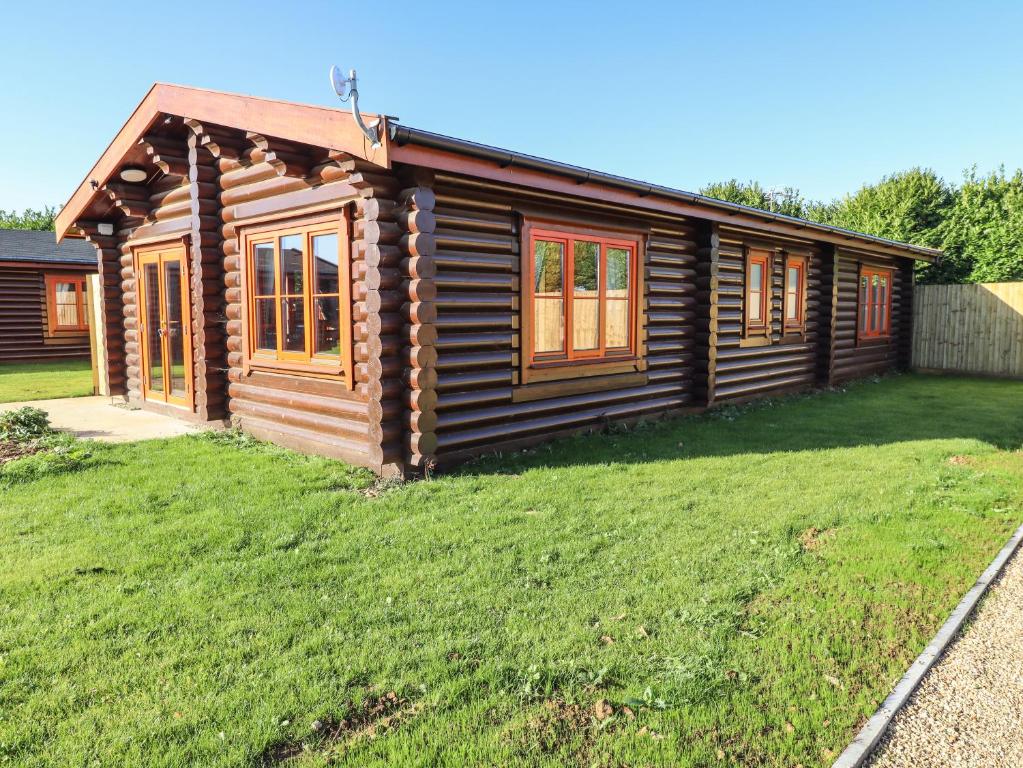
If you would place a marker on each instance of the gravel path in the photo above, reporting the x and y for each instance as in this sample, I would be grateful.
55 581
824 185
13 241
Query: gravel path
968 711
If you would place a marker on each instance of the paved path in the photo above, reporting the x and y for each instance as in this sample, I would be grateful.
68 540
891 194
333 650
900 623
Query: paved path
97 419
968 710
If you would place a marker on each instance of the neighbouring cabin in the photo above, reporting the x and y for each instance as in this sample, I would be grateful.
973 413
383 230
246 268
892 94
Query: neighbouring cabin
43 297
419 301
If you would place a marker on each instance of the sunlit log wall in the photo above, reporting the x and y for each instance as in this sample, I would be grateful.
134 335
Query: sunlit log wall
24 334
477 279
789 362
851 359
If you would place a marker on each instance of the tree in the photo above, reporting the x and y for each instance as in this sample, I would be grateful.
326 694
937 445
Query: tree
785 200
28 219
984 230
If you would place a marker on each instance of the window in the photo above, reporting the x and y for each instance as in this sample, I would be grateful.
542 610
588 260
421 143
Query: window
795 293
65 303
298 295
581 296
875 303
758 291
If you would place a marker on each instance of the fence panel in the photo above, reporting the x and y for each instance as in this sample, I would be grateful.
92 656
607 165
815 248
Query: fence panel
969 328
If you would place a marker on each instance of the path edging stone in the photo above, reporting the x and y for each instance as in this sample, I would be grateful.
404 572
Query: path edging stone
856 754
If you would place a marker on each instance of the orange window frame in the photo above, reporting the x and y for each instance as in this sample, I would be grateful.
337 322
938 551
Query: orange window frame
52 317
568 235
796 297
757 326
874 315
308 360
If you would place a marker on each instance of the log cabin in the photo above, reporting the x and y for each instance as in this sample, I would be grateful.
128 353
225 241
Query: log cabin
42 297
414 300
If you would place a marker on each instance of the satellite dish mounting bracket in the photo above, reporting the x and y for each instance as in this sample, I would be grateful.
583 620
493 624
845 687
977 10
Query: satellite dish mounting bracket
347 89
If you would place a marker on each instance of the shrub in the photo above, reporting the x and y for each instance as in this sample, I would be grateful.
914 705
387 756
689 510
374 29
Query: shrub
24 424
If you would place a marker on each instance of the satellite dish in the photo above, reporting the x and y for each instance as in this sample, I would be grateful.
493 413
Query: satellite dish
347 88
343 86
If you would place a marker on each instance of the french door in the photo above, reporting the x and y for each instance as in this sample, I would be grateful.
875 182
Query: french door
165 337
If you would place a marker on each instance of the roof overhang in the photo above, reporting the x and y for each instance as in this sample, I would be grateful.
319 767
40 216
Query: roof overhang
303 123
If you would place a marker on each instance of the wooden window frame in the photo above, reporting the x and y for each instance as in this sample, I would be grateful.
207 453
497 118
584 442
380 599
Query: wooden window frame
797 325
307 362
765 258
571 363
79 279
884 331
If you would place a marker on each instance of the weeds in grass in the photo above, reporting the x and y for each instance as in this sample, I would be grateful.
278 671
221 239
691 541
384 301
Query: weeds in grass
24 424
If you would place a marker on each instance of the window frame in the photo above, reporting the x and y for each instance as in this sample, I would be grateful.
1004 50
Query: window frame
569 362
765 258
51 281
798 325
884 331
307 362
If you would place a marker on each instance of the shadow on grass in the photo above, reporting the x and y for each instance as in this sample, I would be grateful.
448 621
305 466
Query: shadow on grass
893 409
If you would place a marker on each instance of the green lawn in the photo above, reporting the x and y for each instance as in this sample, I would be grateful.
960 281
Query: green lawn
44 381
749 584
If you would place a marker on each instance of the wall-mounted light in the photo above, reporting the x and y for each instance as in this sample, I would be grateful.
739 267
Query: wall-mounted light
105 228
133 174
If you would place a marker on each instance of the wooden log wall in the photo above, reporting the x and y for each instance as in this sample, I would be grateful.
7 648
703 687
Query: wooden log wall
787 363
478 341
851 359
24 335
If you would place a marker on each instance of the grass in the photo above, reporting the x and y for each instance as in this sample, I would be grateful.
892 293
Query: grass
739 588
45 381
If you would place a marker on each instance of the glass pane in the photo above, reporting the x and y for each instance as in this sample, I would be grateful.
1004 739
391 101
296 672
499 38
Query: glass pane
754 309
263 255
617 273
873 318
291 264
293 325
66 301
326 311
587 268
616 330
756 276
325 262
266 325
864 280
883 327
154 351
790 306
863 318
176 328
548 266
585 324
549 325
793 277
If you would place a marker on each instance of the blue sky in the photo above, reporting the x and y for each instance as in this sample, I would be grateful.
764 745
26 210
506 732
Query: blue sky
822 96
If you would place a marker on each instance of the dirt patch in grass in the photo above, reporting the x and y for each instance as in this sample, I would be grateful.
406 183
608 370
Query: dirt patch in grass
373 717
960 461
9 450
813 538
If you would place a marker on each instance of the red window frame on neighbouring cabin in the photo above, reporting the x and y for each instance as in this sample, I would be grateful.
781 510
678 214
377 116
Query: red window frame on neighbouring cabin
53 315
757 257
874 302
566 237
794 305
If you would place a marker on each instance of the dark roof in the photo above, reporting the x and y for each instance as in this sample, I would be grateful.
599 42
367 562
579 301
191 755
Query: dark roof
41 247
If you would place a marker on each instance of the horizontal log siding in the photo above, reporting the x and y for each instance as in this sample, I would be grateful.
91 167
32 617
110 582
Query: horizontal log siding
851 360
745 372
478 321
23 329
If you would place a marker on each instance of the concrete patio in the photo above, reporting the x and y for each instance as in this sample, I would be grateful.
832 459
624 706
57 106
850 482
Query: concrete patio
97 418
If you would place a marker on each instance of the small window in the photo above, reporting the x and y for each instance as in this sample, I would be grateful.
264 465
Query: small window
795 293
758 291
875 303
65 303
582 296
298 306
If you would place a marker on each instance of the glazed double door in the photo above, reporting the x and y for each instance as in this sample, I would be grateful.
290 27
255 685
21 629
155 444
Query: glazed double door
164 329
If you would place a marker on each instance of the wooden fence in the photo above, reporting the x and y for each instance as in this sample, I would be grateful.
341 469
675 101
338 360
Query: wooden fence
969 328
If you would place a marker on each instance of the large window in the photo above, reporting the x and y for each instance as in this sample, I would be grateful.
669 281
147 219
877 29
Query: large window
297 294
795 294
875 303
758 292
65 303
582 296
